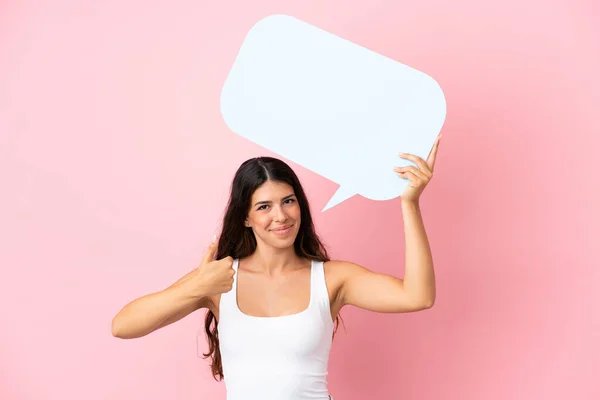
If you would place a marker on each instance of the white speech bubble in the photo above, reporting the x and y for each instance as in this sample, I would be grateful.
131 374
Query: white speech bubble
332 106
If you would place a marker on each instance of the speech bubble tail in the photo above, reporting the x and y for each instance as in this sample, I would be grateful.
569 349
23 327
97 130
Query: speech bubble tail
339 196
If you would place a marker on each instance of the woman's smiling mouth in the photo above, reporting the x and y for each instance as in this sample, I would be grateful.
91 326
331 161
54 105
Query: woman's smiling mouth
283 230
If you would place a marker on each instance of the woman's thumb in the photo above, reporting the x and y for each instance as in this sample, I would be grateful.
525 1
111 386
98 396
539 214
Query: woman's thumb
211 252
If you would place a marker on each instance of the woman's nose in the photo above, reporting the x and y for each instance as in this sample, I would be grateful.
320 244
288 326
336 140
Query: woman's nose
280 215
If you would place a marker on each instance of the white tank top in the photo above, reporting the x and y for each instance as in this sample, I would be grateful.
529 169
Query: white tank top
277 358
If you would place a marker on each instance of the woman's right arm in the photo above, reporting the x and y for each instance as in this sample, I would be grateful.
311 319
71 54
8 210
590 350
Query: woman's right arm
156 310
153 311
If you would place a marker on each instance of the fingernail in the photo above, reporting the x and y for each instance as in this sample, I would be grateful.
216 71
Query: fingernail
214 240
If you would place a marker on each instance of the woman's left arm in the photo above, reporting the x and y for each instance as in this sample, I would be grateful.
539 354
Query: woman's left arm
419 278
384 293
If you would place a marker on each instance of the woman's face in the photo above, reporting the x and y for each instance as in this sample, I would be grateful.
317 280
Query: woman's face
274 214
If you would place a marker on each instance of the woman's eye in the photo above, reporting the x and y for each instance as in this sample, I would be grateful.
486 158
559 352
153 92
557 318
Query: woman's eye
264 206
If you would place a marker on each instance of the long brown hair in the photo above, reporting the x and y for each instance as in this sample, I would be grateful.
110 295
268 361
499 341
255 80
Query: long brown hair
238 241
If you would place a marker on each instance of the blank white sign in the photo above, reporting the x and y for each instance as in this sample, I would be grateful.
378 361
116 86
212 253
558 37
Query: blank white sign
332 106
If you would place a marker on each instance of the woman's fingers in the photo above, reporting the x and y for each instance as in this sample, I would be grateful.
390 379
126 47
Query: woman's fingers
415 180
419 161
433 154
415 171
425 166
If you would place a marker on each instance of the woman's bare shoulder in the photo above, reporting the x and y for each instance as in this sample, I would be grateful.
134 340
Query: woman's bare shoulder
336 272
339 269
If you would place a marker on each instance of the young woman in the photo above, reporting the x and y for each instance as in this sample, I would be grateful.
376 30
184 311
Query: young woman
272 294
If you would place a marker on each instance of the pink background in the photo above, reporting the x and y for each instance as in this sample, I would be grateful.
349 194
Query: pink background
115 166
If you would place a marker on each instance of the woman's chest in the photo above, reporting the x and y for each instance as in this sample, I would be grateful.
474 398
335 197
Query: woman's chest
258 296
261 296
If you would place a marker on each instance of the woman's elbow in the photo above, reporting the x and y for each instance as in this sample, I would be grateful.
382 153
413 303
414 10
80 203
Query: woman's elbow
115 328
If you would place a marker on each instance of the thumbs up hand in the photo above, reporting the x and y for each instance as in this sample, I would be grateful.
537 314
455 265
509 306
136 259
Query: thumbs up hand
214 276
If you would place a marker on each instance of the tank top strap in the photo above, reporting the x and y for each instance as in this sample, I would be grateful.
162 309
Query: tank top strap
228 301
319 289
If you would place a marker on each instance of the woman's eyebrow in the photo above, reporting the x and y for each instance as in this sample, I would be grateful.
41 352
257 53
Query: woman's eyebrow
269 201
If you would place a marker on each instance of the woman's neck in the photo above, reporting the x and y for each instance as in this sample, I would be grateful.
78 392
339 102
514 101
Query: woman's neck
272 261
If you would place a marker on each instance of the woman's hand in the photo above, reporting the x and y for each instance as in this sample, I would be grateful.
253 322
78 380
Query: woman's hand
212 277
418 177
